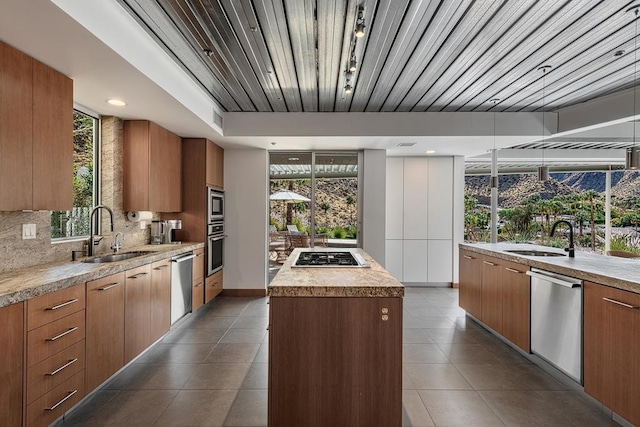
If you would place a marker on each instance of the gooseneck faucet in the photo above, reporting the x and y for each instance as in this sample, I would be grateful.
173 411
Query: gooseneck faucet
92 240
570 249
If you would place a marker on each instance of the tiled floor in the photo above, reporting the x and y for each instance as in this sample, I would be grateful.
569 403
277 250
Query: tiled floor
212 371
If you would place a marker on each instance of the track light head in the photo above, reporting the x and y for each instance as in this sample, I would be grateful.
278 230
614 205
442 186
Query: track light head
348 89
359 31
353 66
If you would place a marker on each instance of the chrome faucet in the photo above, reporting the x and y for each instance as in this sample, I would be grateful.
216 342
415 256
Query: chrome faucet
92 240
116 246
570 249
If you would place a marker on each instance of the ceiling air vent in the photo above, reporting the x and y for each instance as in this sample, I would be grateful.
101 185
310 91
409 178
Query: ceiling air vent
406 144
217 118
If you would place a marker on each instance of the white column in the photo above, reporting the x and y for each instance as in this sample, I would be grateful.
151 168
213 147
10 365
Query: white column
607 212
494 196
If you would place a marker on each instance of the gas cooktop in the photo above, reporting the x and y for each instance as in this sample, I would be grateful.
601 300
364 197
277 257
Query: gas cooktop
329 259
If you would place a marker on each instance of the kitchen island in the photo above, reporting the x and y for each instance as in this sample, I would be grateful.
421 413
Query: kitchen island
335 346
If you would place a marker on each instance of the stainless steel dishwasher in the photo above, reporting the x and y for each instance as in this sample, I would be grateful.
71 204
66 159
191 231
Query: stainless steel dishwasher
181 285
556 321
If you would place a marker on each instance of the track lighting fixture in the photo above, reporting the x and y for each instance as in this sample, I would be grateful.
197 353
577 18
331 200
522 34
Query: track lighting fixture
353 65
360 23
348 89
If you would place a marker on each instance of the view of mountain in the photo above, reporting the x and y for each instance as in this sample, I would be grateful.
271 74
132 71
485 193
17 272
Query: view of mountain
512 189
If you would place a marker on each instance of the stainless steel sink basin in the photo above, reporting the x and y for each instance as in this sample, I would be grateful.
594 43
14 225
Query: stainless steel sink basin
533 252
116 257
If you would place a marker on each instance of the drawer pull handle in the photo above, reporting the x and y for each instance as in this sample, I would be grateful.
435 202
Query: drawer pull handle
66 365
106 288
468 257
202 254
137 276
64 304
620 303
513 270
63 334
161 267
64 399
489 263
198 285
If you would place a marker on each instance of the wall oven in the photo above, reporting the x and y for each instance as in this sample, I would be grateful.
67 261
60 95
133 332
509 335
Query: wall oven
215 205
215 247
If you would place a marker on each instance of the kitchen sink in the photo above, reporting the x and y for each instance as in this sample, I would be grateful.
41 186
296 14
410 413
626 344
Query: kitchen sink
116 257
533 252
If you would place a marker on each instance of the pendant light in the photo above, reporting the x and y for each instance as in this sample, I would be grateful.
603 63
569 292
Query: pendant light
632 160
543 170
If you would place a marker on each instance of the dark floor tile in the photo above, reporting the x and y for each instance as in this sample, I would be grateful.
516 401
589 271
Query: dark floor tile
211 321
178 353
423 353
249 409
257 377
162 377
233 353
195 408
416 336
126 376
524 408
251 322
414 413
81 415
581 411
467 353
436 376
194 336
244 335
217 376
493 376
459 408
133 408
452 335
263 353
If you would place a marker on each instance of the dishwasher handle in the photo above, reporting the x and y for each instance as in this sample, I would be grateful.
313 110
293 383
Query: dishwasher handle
554 280
184 258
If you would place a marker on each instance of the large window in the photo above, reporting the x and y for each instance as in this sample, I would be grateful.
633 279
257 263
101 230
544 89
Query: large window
75 223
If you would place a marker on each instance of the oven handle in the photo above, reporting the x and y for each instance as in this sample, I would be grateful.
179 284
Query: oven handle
215 239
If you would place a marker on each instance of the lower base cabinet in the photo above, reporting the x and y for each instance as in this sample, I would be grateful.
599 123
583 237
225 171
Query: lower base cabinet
516 307
335 362
105 329
11 364
160 299
612 349
137 314
213 286
52 405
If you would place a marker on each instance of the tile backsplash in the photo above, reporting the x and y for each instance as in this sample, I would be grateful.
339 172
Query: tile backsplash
17 253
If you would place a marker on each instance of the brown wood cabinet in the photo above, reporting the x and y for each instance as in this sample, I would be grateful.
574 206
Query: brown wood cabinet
105 328
470 294
197 286
611 349
516 307
492 293
498 293
151 167
11 364
213 286
215 165
55 305
341 355
52 405
36 134
137 313
160 299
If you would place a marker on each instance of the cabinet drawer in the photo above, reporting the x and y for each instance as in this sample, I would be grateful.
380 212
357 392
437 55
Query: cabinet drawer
52 405
50 373
50 339
197 295
213 286
56 305
198 265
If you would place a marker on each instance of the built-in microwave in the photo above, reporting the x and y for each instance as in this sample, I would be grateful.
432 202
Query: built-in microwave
215 204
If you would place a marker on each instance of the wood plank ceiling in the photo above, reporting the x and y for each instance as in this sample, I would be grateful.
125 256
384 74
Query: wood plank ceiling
416 55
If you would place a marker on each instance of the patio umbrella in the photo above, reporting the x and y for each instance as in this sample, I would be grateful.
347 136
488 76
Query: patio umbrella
288 197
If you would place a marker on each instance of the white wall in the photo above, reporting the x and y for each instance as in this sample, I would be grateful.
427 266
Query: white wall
373 204
246 184
423 218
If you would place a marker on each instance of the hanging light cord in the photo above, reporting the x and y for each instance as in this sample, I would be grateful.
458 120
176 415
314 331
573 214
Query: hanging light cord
544 73
635 76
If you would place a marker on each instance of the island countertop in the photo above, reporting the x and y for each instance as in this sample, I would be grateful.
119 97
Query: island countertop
374 281
26 283
621 273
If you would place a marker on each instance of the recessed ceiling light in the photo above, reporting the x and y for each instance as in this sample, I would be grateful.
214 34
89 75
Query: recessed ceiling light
431 151
618 53
293 159
116 102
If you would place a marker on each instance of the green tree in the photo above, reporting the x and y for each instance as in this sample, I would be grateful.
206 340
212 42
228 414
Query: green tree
350 205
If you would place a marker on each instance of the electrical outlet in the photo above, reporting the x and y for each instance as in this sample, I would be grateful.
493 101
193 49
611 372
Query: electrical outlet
28 231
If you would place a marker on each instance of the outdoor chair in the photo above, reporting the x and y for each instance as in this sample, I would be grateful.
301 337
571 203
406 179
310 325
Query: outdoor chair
297 241
623 254
320 240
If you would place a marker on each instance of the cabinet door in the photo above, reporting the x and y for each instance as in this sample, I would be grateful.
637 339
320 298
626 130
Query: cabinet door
135 166
165 170
394 198
52 139
213 286
470 295
197 295
105 328
11 364
160 298
516 307
393 258
198 265
415 178
439 261
137 311
611 348
440 198
414 260
215 165
16 115
492 293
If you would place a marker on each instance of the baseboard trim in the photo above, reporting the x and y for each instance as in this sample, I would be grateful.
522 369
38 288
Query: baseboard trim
455 285
244 292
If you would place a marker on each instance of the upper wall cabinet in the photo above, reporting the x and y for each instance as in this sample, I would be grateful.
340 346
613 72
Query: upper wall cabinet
152 167
215 165
36 134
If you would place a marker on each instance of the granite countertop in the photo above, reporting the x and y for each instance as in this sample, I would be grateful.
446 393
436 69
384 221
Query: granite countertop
621 273
26 283
335 281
